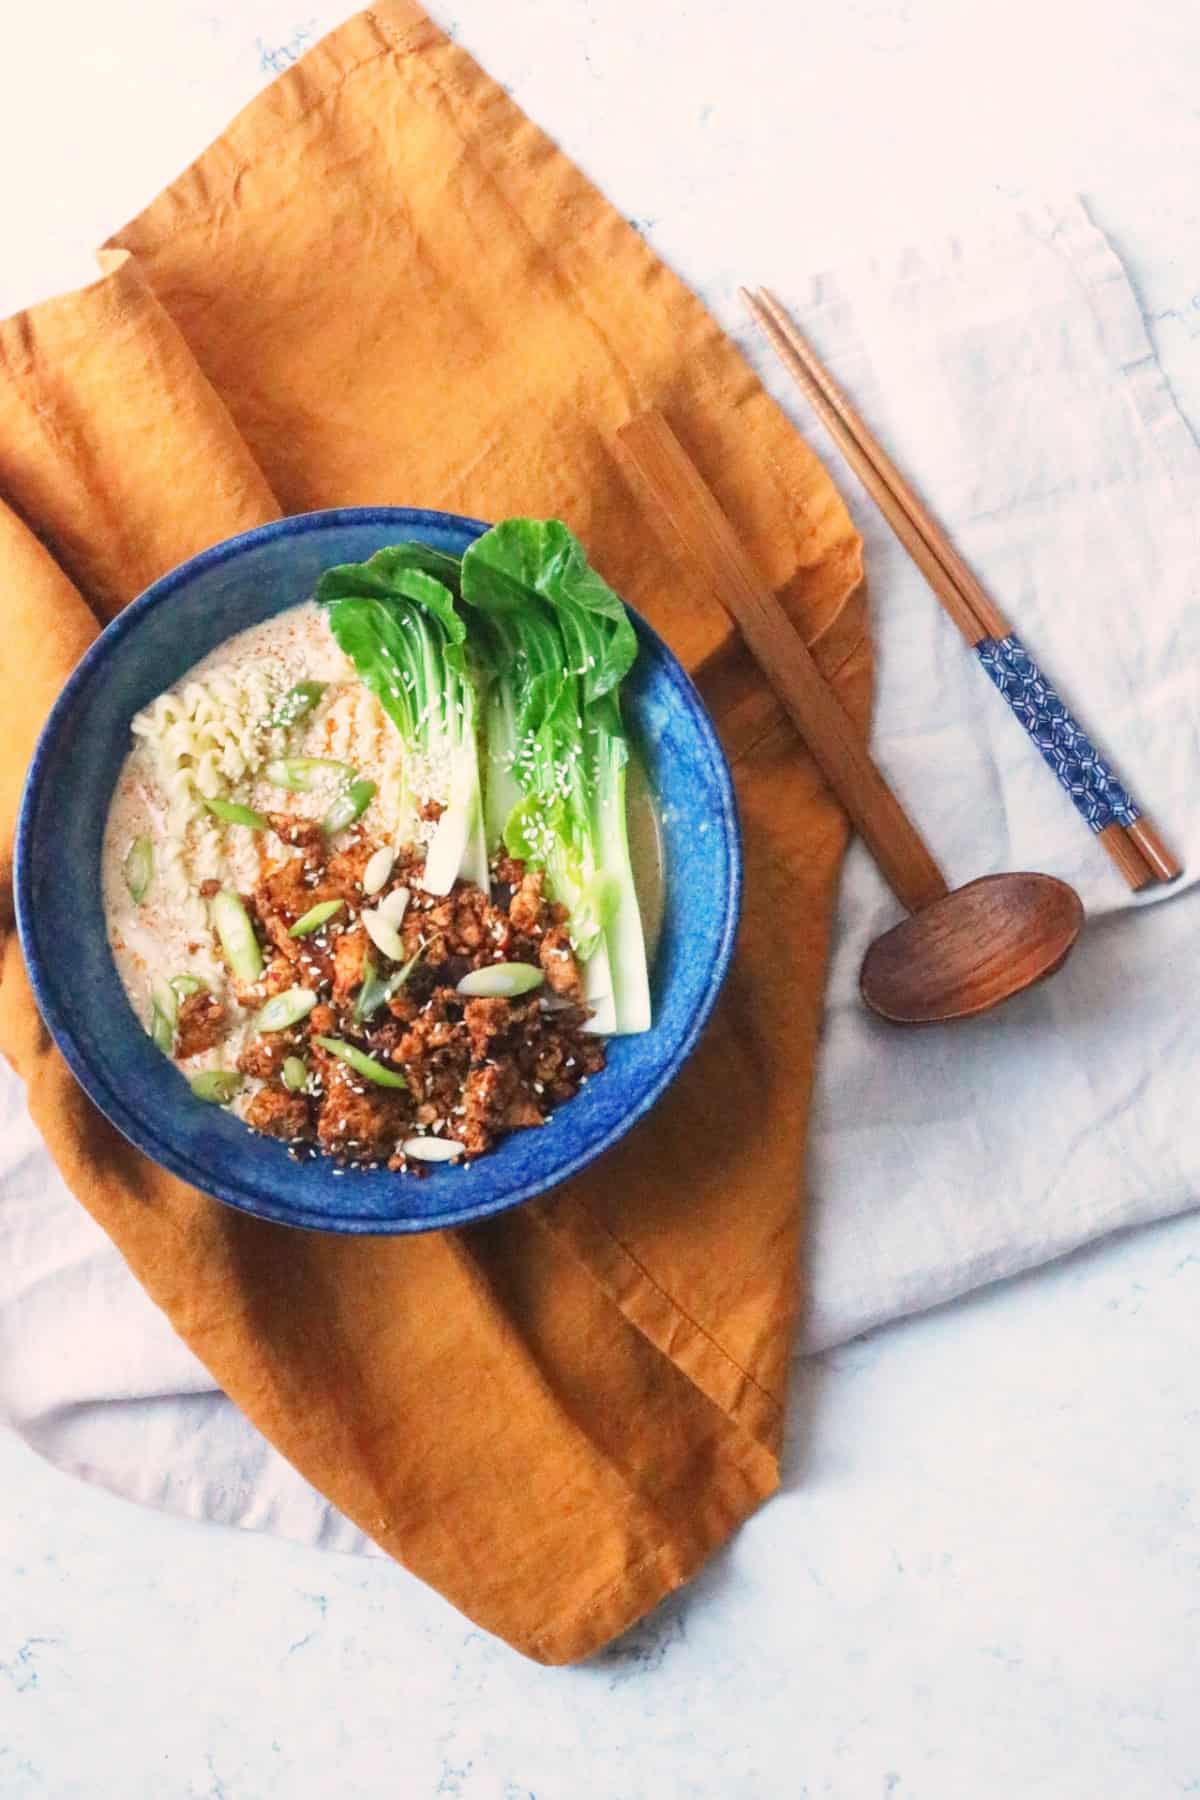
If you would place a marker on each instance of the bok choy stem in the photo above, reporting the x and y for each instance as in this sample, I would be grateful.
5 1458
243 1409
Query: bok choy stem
395 618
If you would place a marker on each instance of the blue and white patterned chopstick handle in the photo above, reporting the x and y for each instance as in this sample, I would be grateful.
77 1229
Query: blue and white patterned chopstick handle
1064 744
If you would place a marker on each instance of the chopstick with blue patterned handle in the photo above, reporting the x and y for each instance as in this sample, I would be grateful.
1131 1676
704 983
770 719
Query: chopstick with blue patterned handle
1123 830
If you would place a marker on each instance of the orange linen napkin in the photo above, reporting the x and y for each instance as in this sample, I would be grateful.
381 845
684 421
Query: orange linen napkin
384 285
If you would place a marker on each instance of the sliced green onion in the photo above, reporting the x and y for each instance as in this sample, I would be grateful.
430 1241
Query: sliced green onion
383 935
432 1149
393 906
397 981
161 1031
139 868
348 806
237 937
501 981
188 984
363 1065
378 869
315 917
164 1014
285 1009
295 1074
373 991
164 999
232 812
297 703
218 1086
301 774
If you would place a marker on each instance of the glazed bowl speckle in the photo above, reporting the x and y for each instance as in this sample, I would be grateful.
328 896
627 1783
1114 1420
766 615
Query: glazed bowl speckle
61 921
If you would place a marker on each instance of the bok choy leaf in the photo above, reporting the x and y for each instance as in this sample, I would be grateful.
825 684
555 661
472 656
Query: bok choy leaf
396 619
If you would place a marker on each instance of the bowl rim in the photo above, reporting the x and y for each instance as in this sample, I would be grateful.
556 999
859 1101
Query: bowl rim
140 1131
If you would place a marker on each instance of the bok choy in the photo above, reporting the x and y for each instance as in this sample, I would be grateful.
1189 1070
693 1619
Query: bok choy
557 643
396 619
549 643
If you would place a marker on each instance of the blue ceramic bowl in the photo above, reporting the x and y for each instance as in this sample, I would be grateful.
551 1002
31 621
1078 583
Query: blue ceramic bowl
61 921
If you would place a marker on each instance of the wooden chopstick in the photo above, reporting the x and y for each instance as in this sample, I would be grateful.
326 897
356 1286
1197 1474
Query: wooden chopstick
1136 849
690 510
948 575
1164 863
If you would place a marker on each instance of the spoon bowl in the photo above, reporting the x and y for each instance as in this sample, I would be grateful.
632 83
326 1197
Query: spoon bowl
975 947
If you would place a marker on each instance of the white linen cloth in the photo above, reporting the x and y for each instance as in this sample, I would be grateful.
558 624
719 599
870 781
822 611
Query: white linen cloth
1013 379
1014 382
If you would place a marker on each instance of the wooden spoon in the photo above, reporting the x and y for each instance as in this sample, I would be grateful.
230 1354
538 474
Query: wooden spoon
964 950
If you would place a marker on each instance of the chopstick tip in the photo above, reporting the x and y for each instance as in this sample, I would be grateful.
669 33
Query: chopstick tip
1126 856
1165 866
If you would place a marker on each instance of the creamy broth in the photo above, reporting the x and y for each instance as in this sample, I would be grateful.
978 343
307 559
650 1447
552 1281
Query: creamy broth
169 933
211 734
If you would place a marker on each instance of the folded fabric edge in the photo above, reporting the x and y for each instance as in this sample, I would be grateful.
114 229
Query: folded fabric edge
619 1605
214 175
43 660
307 1517
18 331
682 1339
1123 328
48 469
991 1269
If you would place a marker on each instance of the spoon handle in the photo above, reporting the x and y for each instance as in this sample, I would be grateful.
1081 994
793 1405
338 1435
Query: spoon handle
672 479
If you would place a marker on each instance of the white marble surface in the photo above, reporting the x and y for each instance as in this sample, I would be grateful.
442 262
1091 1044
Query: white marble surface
983 1576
